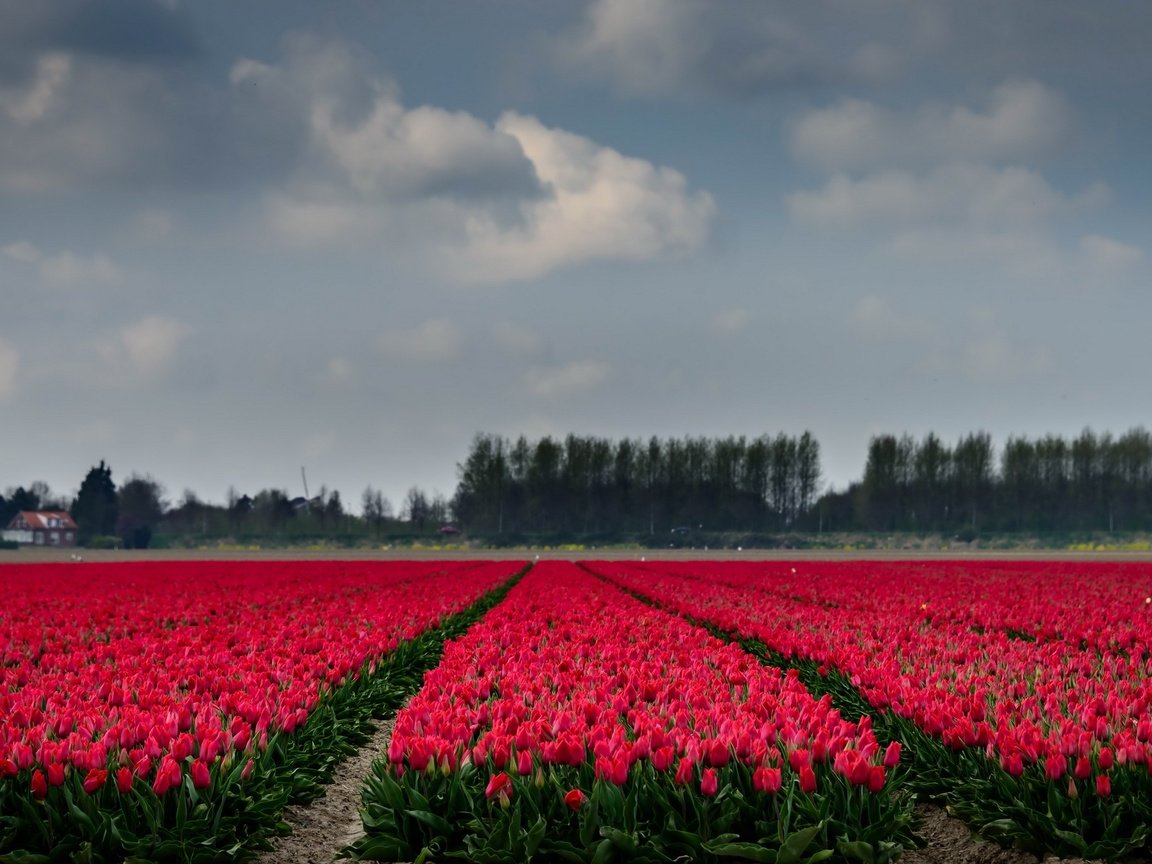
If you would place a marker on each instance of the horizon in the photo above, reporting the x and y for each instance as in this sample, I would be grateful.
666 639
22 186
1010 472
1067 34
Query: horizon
352 237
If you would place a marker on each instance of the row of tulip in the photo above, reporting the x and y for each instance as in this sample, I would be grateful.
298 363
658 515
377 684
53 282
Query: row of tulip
575 722
169 712
1024 689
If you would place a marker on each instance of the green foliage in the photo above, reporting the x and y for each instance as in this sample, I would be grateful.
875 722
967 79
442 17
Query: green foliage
444 815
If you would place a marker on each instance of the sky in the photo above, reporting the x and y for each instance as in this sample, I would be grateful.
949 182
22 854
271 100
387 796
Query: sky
241 237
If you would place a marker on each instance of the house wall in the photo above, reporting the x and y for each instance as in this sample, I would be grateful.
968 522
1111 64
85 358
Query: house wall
40 537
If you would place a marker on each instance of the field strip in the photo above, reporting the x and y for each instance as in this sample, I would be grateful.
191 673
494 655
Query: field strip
330 823
1041 743
229 765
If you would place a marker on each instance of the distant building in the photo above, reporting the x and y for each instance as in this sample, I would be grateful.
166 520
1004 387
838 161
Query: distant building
41 528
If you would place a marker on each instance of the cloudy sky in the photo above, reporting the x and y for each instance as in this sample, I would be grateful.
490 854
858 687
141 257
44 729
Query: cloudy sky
241 237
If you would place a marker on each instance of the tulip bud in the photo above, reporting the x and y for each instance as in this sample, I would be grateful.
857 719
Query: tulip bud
807 780
708 782
201 777
892 754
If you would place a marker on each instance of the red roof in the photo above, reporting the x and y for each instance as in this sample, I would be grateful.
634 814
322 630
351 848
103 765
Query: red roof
43 520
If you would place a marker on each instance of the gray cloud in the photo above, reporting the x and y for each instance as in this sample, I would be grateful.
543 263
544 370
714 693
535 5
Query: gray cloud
351 121
128 31
747 47
1022 120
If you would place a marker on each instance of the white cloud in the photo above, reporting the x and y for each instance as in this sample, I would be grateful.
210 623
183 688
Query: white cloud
339 371
957 194
31 103
366 140
1023 252
877 319
575 377
309 222
148 346
516 339
434 340
602 204
1023 119
65 269
21 251
1107 256
151 225
999 359
478 202
9 369
730 321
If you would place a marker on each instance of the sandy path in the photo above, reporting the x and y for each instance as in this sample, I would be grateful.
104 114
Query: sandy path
328 824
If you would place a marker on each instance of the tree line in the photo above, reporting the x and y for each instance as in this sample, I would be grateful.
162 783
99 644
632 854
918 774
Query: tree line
588 485
582 487
1093 482
133 514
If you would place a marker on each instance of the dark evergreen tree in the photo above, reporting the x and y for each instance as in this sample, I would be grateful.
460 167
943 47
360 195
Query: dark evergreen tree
96 507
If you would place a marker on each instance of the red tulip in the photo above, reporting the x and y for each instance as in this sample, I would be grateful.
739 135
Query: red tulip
684 771
807 780
718 753
498 785
574 798
1083 768
1103 785
201 777
876 778
39 785
708 783
96 778
1055 766
766 779
892 754
663 757
124 780
55 773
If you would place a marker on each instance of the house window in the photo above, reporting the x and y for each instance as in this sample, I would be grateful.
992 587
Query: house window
54 538
38 538
68 536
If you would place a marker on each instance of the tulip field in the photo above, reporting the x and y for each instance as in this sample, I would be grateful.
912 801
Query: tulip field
168 712
601 711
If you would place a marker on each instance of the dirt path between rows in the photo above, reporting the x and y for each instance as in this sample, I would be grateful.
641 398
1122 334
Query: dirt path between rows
324 827
950 841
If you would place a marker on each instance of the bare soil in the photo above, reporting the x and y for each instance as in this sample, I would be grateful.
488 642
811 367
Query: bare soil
33 555
324 827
